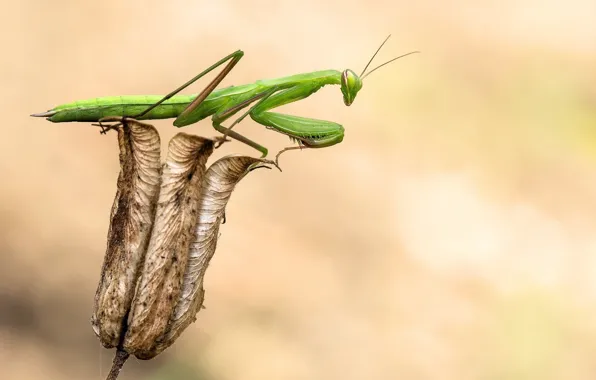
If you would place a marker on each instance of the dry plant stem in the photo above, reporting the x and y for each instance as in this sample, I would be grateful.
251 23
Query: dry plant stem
117 364
161 277
131 220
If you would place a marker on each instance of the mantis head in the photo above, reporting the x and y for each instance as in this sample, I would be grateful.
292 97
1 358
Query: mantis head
351 83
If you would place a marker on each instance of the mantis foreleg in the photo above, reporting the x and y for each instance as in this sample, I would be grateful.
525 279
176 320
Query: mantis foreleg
222 116
310 133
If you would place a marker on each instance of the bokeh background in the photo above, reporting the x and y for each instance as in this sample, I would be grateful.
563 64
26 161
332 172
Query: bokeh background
452 235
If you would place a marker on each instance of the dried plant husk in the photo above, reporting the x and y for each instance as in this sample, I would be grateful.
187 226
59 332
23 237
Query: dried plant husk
131 221
163 233
162 274
218 184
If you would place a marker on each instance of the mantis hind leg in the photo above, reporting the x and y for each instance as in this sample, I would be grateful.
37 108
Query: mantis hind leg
181 119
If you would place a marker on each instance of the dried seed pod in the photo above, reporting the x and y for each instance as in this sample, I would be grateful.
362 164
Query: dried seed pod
161 239
161 277
131 220
217 186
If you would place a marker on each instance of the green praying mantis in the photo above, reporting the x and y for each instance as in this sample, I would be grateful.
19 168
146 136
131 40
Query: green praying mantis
226 102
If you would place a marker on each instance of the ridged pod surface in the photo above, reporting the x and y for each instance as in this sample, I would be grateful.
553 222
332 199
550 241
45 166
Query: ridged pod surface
131 221
220 180
164 227
160 282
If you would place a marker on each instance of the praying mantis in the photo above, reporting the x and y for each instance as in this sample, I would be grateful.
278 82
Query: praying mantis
224 103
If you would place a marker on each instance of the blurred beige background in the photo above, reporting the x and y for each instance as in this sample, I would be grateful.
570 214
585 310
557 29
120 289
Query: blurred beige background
452 235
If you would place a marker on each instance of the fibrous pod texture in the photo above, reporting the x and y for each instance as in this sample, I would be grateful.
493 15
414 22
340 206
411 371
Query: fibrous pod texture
163 232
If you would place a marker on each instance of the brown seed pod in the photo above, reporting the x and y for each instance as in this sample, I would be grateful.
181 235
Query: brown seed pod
161 239
131 220
161 277
217 186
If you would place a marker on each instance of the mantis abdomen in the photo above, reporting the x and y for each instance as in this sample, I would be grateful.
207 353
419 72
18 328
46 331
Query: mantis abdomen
91 110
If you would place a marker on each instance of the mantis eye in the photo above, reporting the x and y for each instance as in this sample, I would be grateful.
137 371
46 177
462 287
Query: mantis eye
350 85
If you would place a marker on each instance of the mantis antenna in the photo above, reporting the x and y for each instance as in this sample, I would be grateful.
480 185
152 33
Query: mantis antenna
362 76
374 55
391 60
